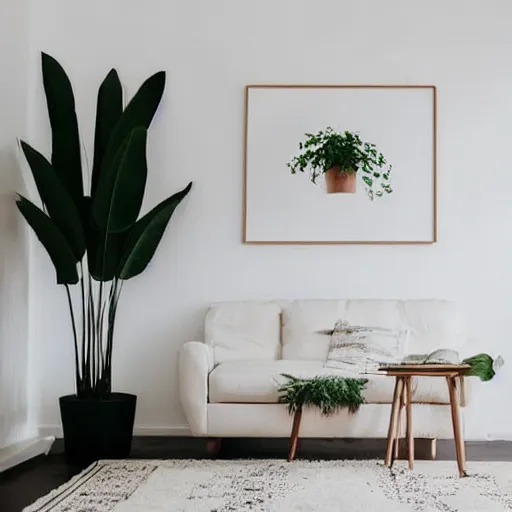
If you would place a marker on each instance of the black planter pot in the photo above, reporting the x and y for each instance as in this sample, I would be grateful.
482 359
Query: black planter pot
97 429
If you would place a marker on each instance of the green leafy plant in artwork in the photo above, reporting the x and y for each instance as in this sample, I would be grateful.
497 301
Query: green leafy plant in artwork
92 231
329 393
346 152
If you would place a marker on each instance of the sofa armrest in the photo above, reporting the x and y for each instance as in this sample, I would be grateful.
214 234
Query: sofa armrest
194 365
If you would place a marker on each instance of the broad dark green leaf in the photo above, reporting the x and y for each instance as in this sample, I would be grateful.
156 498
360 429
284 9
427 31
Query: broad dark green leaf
105 256
103 259
65 137
120 192
53 241
87 222
58 203
107 183
108 112
139 112
145 235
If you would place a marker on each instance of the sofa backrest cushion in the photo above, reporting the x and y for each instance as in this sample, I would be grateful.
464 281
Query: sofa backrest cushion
244 330
292 329
425 325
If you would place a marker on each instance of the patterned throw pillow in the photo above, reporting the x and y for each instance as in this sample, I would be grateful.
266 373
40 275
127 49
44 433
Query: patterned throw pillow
361 349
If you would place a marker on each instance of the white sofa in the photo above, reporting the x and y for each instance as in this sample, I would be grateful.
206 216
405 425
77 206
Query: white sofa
228 383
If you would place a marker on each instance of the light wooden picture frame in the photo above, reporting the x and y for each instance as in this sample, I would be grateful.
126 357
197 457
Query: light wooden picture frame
281 208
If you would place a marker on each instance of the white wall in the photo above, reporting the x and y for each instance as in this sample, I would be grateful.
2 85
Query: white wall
211 50
15 420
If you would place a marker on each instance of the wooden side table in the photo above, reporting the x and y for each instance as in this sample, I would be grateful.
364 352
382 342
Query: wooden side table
403 397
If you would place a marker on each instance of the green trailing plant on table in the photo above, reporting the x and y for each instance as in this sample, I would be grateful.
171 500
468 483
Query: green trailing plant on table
342 156
483 366
330 393
92 231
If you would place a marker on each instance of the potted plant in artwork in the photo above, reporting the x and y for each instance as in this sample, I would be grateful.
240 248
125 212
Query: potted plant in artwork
341 157
95 239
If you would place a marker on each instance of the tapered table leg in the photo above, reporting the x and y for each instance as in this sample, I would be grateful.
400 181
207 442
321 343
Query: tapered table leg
393 420
459 441
294 439
410 437
397 435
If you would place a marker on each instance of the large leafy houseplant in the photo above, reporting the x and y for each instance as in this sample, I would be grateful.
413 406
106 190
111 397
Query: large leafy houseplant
340 157
91 229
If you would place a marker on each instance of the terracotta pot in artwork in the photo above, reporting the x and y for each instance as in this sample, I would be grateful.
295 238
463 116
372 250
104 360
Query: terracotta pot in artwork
340 181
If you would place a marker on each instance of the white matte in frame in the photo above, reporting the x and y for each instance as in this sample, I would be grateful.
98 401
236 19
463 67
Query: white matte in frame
285 208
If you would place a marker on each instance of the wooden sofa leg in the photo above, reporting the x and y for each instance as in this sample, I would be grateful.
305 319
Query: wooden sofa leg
433 448
213 446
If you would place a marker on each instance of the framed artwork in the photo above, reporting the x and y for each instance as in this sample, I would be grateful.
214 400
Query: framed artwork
348 164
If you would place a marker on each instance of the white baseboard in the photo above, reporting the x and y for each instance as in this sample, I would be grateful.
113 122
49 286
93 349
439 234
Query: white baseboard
18 453
176 431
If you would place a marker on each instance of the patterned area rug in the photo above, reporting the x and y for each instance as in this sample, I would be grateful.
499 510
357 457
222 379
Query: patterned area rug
276 486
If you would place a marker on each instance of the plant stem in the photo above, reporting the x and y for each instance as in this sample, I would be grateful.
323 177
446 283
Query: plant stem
73 323
98 346
92 337
116 294
104 353
100 302
87 370
102 320
84 320
94 376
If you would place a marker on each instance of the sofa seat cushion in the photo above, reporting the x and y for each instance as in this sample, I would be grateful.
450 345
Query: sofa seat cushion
257 381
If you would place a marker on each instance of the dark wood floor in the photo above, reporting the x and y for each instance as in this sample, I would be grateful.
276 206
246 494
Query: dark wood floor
22 485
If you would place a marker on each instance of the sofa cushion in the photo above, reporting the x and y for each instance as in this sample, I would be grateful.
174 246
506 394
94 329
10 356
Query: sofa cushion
257 381
302 324
363 349
426 324
244 330
434 324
